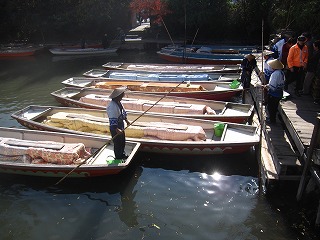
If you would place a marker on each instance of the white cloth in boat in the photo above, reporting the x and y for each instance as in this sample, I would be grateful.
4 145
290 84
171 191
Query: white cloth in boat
143 105
48 151
99 125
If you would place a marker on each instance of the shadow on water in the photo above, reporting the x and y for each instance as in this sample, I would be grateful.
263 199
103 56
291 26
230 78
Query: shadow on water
243 164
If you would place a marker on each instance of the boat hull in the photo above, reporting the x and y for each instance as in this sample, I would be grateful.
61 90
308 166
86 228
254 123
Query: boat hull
219 91
189 60
59 170
209 147
80 51
224 111
193 68
17 53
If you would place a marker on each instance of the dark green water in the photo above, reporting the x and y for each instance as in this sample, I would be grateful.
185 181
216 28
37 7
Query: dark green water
158 197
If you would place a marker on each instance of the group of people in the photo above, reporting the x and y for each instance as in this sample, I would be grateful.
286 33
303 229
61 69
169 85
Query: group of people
301 61
289 61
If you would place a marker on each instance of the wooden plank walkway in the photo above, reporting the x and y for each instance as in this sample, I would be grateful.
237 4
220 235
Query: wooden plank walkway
284 144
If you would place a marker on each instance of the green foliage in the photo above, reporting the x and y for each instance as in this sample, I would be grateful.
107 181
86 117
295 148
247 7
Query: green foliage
202 20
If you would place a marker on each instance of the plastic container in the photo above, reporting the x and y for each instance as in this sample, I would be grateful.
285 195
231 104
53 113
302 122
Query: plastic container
218 129
234 84
114 161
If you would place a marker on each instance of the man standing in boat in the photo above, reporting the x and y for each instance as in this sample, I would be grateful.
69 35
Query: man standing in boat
117 115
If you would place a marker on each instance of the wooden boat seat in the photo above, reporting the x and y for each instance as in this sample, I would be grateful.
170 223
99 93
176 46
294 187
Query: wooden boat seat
237 133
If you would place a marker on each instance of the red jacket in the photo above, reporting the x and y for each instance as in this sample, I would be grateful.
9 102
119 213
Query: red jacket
297 57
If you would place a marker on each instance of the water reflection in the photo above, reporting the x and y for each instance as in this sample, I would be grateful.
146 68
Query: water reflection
128 206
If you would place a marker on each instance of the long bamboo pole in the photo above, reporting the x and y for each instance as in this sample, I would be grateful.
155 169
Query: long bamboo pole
109 141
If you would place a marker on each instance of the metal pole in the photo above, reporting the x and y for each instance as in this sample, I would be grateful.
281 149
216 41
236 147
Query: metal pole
185 22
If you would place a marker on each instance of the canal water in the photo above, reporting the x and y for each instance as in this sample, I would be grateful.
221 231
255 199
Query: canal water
157 197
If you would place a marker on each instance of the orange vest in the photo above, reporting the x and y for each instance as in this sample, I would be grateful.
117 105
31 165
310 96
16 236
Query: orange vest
297 57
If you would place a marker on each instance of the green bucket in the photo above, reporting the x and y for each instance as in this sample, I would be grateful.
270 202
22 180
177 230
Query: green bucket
114 161
218 129
234 84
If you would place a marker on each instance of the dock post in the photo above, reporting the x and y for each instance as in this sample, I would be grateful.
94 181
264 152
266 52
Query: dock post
307 164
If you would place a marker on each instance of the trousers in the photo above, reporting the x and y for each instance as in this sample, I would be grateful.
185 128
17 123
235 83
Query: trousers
298 76
119 142
273 103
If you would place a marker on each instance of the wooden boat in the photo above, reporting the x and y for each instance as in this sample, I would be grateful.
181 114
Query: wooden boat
53 154
158 76
217 49
17 52
180 55
61 58
160 134
82 51
158 67
220 91
173 106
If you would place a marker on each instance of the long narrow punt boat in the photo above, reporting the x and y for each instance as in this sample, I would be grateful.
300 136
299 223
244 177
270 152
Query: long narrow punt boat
160 76
215 49
159 67
219 91
17 52
179 55
82 51
53 154
173 106
159 134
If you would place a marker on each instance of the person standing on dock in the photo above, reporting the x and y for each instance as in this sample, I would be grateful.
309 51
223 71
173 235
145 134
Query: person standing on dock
297 64
267 55
247 65
275 88
105 41
285 51
313 61
117 115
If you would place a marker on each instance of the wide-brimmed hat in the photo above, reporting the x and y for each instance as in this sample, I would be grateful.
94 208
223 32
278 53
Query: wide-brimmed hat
117 92
250 56
267 52
275 64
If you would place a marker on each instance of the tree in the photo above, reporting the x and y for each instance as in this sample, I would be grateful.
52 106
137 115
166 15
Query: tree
155 9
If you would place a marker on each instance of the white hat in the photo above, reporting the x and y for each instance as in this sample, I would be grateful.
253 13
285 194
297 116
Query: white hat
117 92
275 64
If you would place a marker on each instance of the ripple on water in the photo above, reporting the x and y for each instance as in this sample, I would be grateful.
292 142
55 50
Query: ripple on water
205 203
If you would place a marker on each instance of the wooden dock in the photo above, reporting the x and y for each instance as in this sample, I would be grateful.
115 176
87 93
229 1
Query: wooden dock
284 145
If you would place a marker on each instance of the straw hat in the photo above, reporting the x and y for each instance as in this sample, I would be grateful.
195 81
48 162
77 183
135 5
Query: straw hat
117 92
267 52
249 56
275 64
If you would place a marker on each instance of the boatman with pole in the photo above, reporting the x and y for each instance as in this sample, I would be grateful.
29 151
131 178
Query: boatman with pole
117 116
